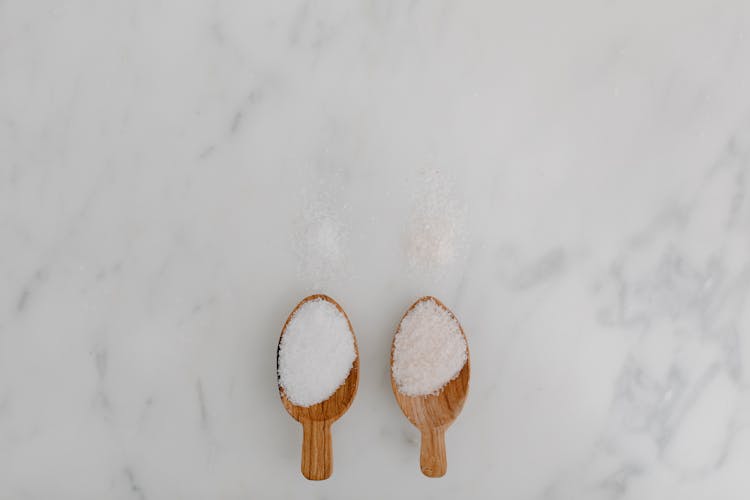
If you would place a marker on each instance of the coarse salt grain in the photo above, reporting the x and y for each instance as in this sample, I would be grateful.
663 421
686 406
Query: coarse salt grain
316 353
429 349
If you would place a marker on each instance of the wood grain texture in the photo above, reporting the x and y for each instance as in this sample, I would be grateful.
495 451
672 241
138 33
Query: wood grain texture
316 420
434 413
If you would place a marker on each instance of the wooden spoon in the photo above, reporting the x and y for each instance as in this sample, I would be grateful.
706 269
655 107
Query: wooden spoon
433 414
316 420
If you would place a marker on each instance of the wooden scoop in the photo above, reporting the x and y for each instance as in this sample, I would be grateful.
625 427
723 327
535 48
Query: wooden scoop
316 420
433 414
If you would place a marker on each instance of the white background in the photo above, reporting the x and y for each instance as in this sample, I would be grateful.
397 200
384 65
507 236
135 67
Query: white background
155 155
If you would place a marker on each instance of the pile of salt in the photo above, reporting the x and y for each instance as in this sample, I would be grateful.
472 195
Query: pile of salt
429 349
316 353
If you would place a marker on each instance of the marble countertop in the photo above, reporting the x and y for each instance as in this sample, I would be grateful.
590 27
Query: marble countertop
156 157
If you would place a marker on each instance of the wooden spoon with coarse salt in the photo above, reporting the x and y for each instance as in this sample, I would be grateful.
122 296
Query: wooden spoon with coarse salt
433 413
316 419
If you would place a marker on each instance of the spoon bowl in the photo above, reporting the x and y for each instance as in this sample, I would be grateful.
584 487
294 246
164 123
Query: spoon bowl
316 420
433 414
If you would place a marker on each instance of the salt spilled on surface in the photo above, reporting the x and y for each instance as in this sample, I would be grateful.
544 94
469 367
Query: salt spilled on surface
435 234
429 349
319 241
316 353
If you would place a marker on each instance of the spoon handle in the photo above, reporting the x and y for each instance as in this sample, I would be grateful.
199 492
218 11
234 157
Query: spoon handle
317 451
432 457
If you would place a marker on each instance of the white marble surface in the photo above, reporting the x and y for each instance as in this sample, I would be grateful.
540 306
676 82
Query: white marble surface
155 155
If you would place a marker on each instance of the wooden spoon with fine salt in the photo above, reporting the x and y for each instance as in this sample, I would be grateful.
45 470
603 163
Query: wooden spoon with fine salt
316 420
433 414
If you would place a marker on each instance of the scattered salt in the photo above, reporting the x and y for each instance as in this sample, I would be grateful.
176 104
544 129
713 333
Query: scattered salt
436 230
316 353
429 349
320 240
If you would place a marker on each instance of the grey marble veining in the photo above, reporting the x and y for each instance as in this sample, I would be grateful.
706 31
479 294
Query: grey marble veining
156 159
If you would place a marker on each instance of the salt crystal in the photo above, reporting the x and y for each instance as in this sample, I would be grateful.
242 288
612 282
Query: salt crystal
316 353
429 349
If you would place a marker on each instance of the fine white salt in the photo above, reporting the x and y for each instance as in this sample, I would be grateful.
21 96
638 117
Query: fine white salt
316 353
429 350
435 234
319 242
